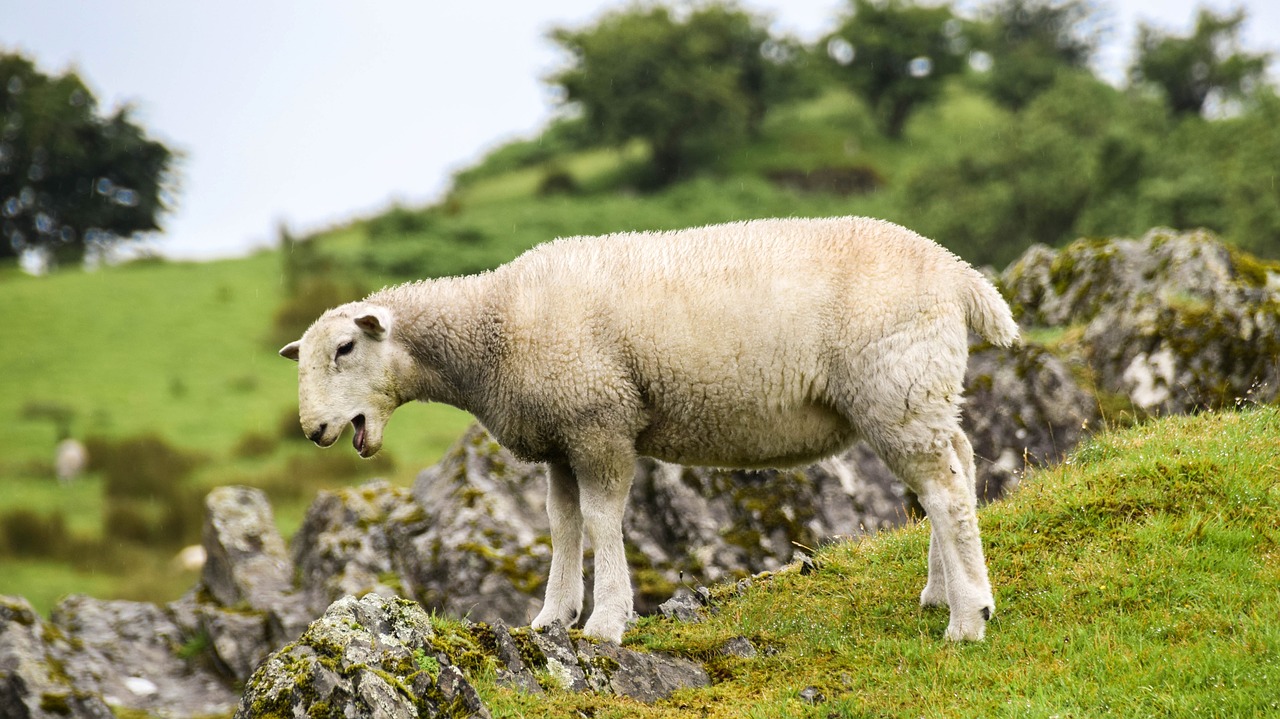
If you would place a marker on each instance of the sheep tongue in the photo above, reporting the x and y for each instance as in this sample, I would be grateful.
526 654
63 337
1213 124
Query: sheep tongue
358 440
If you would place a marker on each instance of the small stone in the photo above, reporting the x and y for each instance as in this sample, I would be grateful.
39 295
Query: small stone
804 562
457 690
740 647
645 676
682 608
516 673
812 695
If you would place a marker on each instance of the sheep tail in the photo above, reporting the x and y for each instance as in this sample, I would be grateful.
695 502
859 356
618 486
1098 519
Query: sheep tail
987 312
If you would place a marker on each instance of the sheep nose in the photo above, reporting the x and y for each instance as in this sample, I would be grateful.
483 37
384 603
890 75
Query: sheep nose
316 435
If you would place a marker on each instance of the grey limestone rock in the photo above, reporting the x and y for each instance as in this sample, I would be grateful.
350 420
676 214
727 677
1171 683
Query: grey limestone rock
560 657
1174 322
683 607
345 545
1023 408
136 656
740 647
612 669
33 678
369 658
246 560
95 653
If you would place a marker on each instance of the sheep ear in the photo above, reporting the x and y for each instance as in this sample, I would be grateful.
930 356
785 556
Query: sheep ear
375 324
290 351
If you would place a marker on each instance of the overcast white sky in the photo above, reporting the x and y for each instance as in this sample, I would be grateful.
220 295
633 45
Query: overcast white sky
314 111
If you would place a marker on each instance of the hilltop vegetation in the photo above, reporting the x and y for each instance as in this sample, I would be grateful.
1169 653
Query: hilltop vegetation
988 133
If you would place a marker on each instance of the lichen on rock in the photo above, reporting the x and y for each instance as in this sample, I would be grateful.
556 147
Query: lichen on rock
1176 322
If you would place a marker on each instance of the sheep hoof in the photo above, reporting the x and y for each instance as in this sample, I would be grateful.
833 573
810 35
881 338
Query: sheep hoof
549 616
604 631
986 614
972 633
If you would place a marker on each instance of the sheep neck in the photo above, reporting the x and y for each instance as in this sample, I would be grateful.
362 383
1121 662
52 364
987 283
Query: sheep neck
448 327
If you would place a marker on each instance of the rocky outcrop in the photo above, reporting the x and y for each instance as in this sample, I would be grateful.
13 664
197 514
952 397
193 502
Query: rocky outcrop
1023 409
372 657
183 659
33 678
95 653
1174 322
387 659
471 539
479 545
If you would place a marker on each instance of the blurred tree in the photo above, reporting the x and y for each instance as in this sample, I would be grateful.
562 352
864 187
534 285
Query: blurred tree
1251 191
896 55
1189 70
71 181
1072 162
689 84
1031 41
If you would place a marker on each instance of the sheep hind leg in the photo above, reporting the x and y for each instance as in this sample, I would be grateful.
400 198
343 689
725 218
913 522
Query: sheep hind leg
942 476
563 601
935 589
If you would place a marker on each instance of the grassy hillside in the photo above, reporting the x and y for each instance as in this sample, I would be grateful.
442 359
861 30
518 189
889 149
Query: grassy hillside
175 350
1140 579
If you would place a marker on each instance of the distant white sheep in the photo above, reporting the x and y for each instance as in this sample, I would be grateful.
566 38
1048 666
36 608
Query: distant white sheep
70 460
759 344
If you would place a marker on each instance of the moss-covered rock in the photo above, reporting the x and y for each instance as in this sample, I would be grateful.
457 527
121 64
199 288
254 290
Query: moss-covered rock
1176 322
363 658
1023 408
34 678
386 658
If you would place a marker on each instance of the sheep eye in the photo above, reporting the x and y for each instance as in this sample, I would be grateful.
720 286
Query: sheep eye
346 347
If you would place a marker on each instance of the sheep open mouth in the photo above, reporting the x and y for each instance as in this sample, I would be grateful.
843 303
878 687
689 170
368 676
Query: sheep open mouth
358 441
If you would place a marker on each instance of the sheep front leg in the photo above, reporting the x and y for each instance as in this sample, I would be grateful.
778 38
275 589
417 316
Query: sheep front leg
604 486
563 602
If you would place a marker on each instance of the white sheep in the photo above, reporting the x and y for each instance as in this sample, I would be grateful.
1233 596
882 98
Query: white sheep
70 460
767 343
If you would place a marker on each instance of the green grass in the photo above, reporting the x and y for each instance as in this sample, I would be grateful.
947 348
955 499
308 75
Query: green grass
122 347
1141 579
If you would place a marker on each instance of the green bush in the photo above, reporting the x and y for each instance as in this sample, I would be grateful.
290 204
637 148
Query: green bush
562 136
27 533
557 181
141 467
127 521
315 295
171 521
254 445
398 221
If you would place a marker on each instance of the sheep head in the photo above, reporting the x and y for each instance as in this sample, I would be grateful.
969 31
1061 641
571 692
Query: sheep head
348 374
